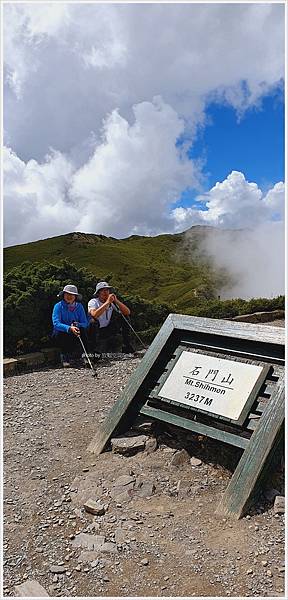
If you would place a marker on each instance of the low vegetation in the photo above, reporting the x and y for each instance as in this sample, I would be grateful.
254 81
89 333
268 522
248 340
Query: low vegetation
30 292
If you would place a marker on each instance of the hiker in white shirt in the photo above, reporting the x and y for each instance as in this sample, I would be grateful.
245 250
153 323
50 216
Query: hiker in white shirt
105 322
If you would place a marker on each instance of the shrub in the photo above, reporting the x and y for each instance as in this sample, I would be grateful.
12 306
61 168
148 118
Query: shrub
30 292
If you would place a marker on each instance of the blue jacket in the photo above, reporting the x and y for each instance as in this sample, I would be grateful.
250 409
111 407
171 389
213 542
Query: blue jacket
62 318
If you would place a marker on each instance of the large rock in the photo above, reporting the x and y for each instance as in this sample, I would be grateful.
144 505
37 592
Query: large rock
120 495
122 488
95 508
279 505
151 445
180 458
31 589
9 366
90 542
183 488
93 543
124 480
146 489
128 445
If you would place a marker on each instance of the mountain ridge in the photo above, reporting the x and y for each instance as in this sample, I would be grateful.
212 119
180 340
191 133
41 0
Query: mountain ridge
133 236
168 267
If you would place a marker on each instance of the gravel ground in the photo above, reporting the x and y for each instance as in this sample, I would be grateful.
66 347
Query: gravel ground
161 536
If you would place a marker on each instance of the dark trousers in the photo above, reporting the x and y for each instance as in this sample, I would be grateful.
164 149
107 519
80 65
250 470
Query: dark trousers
69 344
104 339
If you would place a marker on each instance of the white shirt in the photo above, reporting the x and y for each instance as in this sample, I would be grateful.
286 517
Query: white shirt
105 318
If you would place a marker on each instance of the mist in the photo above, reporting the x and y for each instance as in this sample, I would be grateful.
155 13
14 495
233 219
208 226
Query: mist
254 259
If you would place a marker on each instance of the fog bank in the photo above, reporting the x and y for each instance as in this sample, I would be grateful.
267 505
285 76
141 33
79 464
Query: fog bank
255 259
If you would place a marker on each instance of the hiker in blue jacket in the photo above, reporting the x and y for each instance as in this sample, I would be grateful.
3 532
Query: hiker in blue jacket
69 322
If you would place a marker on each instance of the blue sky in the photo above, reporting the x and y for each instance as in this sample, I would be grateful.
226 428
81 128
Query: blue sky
253 144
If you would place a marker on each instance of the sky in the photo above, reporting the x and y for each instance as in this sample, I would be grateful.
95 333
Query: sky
125 119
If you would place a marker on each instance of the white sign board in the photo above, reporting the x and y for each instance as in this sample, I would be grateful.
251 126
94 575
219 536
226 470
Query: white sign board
213 385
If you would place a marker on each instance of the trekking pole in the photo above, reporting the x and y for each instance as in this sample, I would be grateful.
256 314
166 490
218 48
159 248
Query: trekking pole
94 373
117 309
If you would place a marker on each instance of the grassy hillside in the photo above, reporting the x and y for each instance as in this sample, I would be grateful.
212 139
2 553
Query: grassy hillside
164 268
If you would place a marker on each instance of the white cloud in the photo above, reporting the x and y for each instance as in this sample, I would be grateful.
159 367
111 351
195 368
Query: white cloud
72 60
26 28
127 186
275 202
234 203
135 174
36 198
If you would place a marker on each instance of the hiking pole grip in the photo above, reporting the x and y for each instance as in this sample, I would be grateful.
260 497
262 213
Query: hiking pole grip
116 308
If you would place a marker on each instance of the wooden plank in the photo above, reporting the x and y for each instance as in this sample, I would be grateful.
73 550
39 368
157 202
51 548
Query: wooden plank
268 389
277 371
218 434
261 404
125 399
238 495
253 395
200 416
232 352
253 424
238 330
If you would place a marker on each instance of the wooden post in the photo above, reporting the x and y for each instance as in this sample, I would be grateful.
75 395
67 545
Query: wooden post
125 400
238 495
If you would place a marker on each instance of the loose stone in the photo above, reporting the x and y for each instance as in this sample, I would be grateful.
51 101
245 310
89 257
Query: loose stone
151 445
95 508
31 588
180 458
195 462
91 542
279 505
57 569
128 445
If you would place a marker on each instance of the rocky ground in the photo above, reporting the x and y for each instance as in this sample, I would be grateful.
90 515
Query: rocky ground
155 532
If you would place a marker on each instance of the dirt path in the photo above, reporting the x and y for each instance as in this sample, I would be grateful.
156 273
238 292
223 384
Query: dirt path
163 536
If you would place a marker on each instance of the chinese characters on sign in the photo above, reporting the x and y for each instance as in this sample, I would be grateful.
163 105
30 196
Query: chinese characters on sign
214 385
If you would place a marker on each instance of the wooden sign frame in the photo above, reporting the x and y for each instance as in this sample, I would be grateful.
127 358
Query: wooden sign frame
261 433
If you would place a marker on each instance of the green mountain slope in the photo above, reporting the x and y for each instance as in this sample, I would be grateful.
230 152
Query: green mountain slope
165 268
